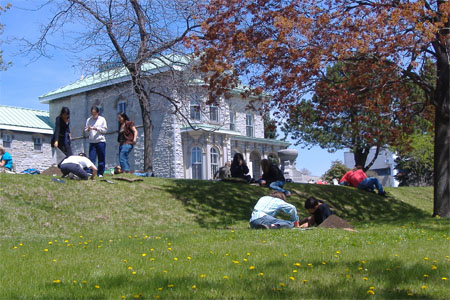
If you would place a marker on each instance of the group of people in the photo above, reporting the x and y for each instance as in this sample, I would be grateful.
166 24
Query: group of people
272 175
96 127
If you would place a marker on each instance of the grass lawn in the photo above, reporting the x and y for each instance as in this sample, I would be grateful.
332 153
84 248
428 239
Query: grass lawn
181 239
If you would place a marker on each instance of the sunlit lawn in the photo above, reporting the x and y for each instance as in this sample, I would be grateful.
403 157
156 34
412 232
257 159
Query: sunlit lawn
159 239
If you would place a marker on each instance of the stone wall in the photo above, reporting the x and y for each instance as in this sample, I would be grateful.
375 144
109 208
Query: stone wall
23 153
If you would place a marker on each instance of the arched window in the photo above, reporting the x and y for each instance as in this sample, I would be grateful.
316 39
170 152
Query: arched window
214 161
249 125
196 160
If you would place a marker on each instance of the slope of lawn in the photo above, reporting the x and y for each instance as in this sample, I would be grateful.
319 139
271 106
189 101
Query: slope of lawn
181 239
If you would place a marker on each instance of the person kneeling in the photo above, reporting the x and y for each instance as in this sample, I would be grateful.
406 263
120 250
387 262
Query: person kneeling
319 212
76 164
267 207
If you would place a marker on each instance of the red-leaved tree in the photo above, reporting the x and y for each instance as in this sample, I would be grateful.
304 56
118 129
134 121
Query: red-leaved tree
285 47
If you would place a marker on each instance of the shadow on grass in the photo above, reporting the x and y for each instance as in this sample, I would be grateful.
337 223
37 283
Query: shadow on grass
218 204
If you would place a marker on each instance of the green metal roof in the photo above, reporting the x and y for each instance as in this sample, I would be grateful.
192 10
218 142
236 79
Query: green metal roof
260 140
115 76
24 119
209 128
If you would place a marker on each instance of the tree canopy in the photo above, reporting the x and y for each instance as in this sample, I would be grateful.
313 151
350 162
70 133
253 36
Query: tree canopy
285 48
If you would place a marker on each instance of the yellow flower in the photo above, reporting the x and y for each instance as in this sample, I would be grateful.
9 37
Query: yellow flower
444 278
97 286
252 267
74 281
305 281
45 250
164 271
395 255
175 258
338 252
130 268
20 244
424 287
123 297
169 244
134 272
194 287
202 275
189 258
170 285
84 282
144 254
294 271
54 260
360 268
245 259
57 281
248 253
388 269
324 263
310 265
297 264
160 289
433 267
125 261
261 274
292 278
370 292
170 249
236 262
371 288
226 277
365 278
227 254
151 249
426 258
50 243
15 247
137 296
281 284
425 275
410 294
347 275
284 254
152 259
157 296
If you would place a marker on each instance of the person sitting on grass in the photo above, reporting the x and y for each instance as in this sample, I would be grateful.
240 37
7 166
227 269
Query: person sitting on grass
319 212
358 179
76 164
6 160
267 207
273 177
224 172
239 168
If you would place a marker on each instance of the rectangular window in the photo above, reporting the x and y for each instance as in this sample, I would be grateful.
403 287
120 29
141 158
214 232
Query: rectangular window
122 107
232 120
7 139
37 143
195 111
214 113
249 125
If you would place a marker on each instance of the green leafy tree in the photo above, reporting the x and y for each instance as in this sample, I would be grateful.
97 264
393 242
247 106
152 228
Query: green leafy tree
337 170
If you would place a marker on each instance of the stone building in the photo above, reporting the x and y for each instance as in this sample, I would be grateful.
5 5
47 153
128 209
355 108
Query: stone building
26 135
190 143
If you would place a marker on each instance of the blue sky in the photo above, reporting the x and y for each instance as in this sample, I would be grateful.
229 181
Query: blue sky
26 80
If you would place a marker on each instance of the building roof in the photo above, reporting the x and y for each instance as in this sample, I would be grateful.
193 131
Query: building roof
114 76
24 119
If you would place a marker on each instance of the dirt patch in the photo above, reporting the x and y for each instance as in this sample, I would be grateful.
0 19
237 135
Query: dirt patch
52 170
334 221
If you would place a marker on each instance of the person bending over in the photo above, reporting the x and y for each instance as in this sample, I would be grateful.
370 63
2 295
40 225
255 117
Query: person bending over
76 164
267 207
319 212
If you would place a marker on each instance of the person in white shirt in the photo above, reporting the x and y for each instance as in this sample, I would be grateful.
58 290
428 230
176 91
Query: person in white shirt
96 127
76 164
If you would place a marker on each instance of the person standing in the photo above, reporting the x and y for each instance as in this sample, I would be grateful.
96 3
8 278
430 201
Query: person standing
127 139
273 177
96 127
61 137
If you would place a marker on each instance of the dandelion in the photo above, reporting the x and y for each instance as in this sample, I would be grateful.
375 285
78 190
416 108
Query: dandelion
410 294
136 296
248 254
252 267
123 297
170 286
324 263
347 275
227 254
97 286
424 287
297 264
226 277
284 254
125 261
157 296
130 268
189 258
444 278
151 249
426 258
305 281
194 287
175 258
164 271
170 249
45 250
15 247
152 259
160 289
236 262
211 252
395 255
261 274
74 282
338 252
56 281
281 284
291 278
144 254
425 275
84 282
365 278
370 292
169 244
433 267
310 265
202 275
388 269
50 243
54 260
20 244
371 288
294 271
245 259
360 268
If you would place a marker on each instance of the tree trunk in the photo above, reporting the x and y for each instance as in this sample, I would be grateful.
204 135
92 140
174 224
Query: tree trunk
441 160
144 102
360 156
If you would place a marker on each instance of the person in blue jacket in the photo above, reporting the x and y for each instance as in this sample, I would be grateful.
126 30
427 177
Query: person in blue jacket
6 160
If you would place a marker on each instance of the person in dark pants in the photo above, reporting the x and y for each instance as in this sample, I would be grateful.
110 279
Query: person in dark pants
76 164
319 212
239 168
61 137
273 177
96 127
127 139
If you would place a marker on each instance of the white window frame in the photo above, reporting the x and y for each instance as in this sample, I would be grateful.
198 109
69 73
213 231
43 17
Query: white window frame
215 160
197 162
232 120
195 109
214 113
121 104
37 143
7 140
249 125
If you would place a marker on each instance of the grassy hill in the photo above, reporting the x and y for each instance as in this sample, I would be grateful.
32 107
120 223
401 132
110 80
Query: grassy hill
182 239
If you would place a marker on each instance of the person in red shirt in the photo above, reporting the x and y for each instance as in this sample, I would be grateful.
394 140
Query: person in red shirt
358 179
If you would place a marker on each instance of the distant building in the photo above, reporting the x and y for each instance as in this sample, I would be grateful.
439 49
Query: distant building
26 135
179 150
384 165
